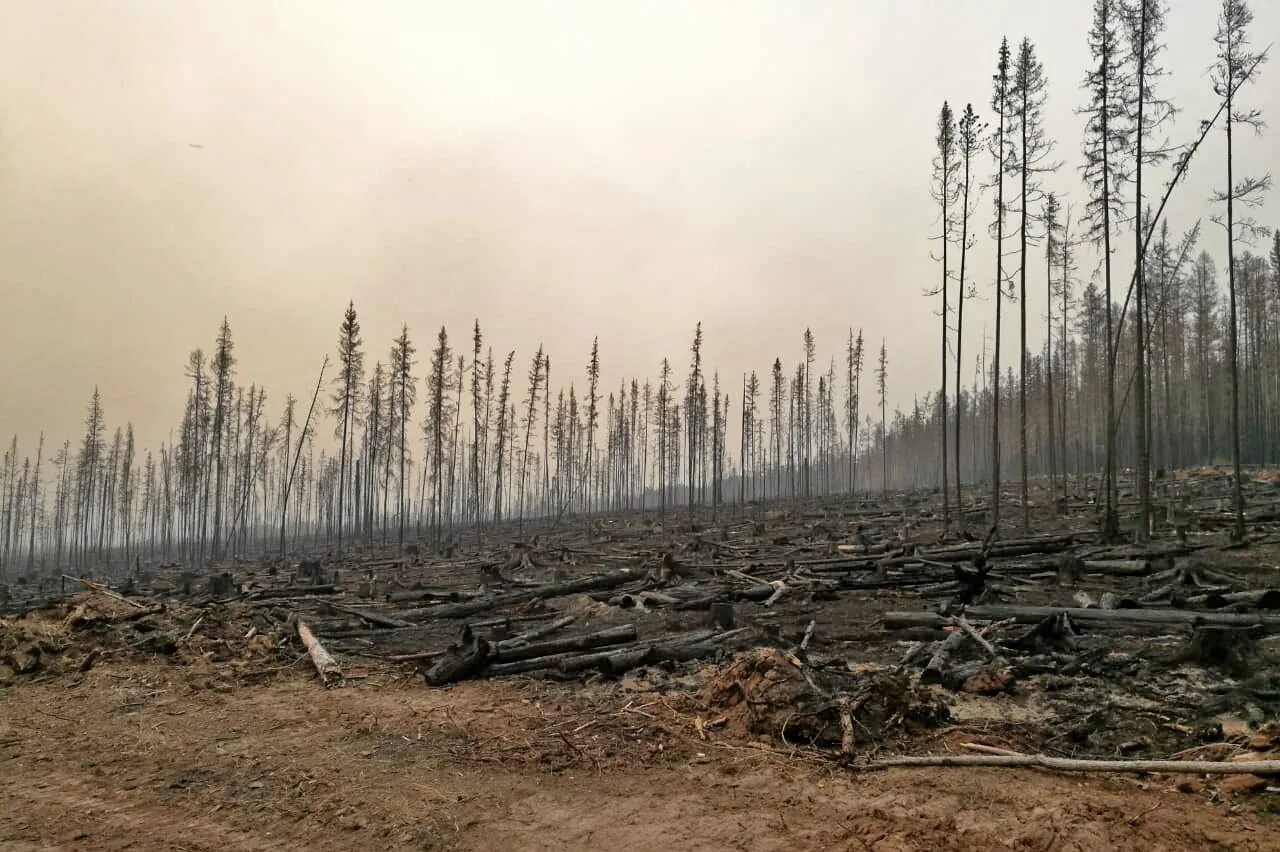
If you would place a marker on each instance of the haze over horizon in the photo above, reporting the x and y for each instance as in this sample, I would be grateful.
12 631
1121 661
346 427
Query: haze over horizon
560 172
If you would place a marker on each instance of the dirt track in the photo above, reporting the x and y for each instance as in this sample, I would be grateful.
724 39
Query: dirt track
163 757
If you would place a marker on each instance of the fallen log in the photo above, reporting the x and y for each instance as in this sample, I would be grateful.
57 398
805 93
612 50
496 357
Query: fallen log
550 590
101 589
406 595
808 634
1064 764
581 642
508 620
941 658
1254 598
365 632
537 632
416 656
326 666
756 593
704 601
1124 617
371 617
649 651
1119 567
1010 547
460 661
961 622
668 648
610 662
81 615
294 591
281 601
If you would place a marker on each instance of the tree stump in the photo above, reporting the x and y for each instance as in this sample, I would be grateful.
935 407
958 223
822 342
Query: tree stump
1232 650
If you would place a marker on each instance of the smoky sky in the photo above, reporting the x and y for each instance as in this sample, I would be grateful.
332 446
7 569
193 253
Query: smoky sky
560 171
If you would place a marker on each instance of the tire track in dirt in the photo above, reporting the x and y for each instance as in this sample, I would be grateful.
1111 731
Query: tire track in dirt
98 818
128 760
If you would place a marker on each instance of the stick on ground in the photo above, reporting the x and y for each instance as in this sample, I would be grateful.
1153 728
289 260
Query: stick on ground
1064 764
326 666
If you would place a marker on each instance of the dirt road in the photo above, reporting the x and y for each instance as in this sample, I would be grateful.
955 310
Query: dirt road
166 757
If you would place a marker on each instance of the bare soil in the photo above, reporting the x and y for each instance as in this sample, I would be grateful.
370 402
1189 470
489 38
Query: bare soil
157 756
167 715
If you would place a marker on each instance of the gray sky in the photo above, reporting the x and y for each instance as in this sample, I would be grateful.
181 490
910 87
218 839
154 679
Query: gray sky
558 170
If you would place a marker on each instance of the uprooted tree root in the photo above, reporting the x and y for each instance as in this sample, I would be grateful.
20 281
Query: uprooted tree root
769 693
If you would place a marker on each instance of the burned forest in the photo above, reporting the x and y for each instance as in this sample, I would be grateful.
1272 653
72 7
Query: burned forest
977 550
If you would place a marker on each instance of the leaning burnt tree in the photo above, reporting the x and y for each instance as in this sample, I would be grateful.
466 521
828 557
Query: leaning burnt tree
293 468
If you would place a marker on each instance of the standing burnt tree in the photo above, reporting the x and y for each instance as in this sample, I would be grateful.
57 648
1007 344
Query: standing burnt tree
1002 150
1236 65
692 409
223 365
346 400
776 395
853 385
503 428
968 139
531 406
1034 148
437 420
404 392
806 400
1106 139
1052 238
882 375
1148 112
593 416
944 193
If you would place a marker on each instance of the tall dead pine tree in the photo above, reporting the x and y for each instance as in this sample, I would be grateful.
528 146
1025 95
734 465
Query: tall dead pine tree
593 416
1145 24
223 365
1052 236
882 377
1028 101
404 392
1236 65
437 421
346 399
1001 102
944 193
691 407
504 426
968 140
1105 139
531 405
806 399
852 390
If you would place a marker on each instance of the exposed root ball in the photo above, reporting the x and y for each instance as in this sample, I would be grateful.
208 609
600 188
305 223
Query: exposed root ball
766 692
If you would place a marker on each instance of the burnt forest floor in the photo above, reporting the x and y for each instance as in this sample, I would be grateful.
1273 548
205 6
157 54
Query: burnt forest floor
734 682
